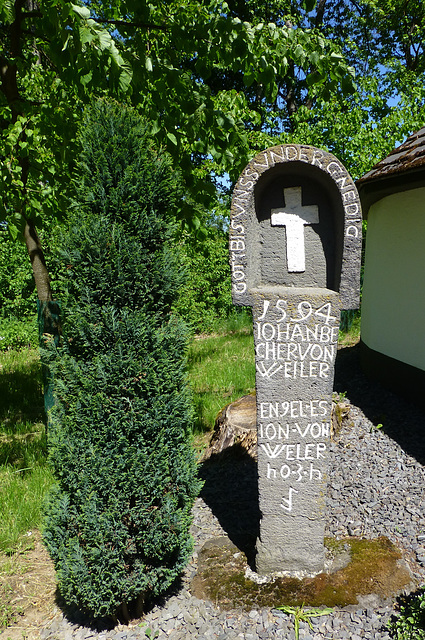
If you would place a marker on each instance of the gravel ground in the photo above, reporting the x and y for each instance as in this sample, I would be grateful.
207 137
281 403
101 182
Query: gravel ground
377 487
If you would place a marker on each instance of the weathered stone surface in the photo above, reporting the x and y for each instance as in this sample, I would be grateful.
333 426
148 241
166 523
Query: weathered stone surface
359 572
259 248
295 336
295 240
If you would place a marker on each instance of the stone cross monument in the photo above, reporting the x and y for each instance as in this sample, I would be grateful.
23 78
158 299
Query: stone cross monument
295 250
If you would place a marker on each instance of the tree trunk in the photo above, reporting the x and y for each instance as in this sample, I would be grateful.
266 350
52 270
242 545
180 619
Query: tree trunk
38 263
9 87
49 317
320 11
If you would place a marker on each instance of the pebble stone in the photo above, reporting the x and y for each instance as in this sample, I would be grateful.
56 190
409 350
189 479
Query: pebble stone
375 488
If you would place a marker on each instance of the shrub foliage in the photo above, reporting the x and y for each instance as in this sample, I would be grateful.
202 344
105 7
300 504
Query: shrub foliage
409 623
17 288
205 298
117 523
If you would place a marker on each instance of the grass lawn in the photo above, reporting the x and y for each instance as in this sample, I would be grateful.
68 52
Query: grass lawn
24 474
221 369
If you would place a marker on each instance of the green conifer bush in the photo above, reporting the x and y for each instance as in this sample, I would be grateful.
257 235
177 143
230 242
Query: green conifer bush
117 522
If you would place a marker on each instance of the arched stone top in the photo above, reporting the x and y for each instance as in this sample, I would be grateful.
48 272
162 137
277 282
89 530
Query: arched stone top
295 222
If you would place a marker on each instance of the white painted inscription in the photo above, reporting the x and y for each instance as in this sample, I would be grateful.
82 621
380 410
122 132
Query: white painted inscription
237 261
294 339
301 344
287 502
293 216
295 461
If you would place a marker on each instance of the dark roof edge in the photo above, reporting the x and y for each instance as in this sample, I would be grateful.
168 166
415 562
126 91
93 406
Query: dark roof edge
374 189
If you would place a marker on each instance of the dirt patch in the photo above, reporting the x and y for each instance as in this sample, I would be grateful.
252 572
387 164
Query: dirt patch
27 591
374 567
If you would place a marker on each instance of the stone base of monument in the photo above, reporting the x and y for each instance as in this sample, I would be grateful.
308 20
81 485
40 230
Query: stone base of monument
337 557
358 573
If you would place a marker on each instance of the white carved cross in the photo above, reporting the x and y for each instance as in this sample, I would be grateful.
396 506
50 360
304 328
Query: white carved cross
293 216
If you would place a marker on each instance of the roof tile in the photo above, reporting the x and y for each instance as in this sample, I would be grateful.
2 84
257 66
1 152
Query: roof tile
409 155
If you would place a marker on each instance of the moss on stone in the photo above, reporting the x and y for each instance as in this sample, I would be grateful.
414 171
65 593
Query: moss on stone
372 567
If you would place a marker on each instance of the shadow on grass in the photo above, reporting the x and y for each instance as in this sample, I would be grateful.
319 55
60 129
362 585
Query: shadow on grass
23 452
22 417
21 398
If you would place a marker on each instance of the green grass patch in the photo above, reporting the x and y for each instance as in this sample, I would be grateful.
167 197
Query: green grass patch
238 321
21 394
221 370
21 497
24 474
18 334
349 330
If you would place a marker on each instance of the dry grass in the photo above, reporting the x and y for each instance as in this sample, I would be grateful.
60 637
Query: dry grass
28 588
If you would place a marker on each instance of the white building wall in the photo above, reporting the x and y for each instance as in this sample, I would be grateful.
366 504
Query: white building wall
393 303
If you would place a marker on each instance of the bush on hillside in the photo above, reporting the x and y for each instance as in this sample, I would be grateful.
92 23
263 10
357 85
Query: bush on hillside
206 298
18 298
117 523
18 334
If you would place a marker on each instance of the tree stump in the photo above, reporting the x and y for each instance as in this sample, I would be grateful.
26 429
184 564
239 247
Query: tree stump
236 424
